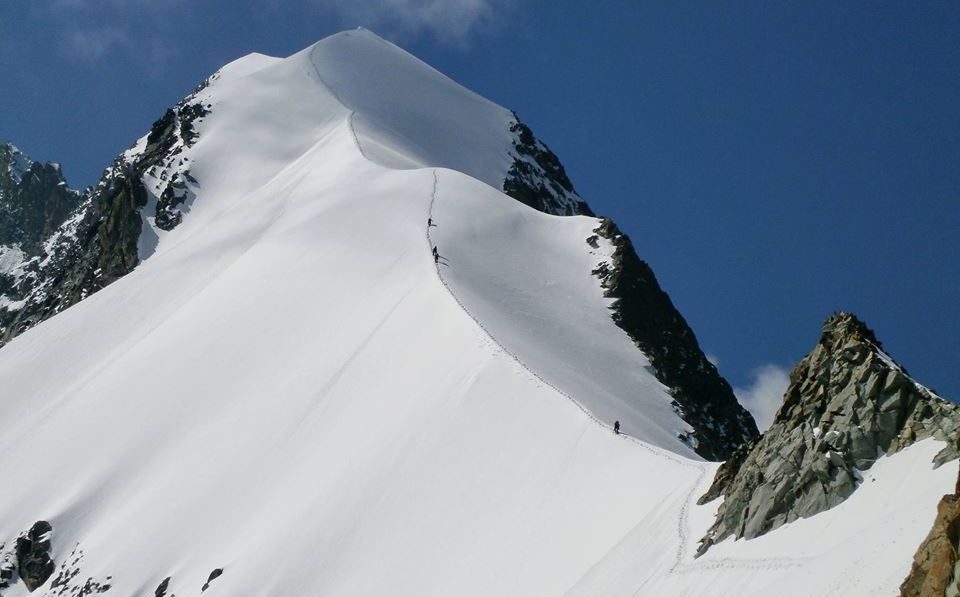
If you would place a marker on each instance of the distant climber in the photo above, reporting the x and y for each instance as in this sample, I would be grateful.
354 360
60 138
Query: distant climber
436 255
430 223
616 427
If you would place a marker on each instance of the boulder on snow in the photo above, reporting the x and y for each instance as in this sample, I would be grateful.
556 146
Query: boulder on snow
215 574
34 563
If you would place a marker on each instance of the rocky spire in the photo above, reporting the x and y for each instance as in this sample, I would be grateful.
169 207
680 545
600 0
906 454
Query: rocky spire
847 404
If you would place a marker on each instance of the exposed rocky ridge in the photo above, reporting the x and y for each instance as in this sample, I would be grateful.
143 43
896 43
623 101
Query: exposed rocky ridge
701 396
936 565
78 251
33 562
34 200
161 590
538 179
643 310
848 403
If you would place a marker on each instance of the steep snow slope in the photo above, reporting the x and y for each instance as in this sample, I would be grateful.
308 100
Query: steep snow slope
536 297
286 389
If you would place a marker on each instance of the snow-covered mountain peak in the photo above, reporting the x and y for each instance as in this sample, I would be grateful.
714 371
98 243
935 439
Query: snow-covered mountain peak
312 308
404 113
246 65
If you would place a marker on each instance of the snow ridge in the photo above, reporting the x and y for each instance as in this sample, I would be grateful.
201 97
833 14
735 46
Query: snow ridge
659 452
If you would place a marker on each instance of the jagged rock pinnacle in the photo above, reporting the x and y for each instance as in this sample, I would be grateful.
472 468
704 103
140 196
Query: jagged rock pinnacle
847 404
845 325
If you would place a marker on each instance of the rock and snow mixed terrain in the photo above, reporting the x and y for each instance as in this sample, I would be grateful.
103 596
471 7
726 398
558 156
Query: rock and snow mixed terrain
278 392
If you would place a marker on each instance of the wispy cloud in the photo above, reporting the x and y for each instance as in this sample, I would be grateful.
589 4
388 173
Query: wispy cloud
763 396
92 30
93 44
446 20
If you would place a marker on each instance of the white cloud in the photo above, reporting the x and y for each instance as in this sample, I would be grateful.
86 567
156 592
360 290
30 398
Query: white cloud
91 30
90 45
713 359
446 20
764 395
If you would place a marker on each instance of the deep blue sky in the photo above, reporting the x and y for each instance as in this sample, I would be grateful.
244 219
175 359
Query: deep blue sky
773 161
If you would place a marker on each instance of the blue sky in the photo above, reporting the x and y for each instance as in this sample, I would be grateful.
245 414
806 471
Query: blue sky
773 161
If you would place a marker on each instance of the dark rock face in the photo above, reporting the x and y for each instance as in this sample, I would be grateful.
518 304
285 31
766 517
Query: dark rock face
643 310
35 204
34 200
162 588
61 246
215 574
538 179
847 404
169 136
936 565
95 247
34 563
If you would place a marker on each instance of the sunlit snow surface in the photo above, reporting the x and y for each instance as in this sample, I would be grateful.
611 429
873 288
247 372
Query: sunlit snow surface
287 390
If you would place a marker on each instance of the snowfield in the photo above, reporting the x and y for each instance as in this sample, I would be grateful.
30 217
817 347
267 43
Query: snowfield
288 390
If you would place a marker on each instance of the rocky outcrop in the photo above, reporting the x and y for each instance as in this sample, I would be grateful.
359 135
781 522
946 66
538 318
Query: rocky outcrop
34 564
97 245
848 403
161 590
643 310
215 574
538 179
34 200
936 565
162 159
58 246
